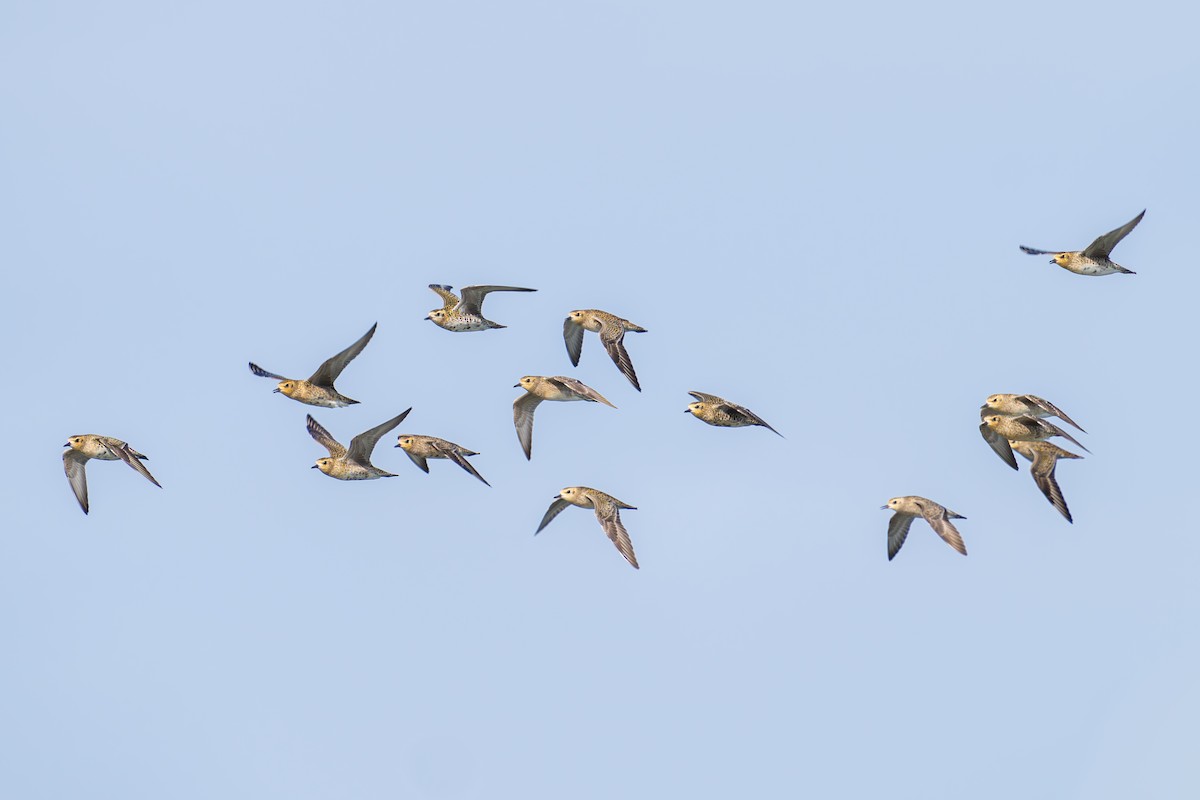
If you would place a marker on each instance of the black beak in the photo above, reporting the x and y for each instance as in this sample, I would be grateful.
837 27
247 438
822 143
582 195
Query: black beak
68 444
275 391
314 466
687 411
1052 261
429 318
883 508
516 386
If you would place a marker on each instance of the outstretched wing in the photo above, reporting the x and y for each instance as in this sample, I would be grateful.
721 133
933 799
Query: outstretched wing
362 445
1033 251
580 389
708 398
748 416
420 461
316 431
939 520
1044 464
328 372
999 444
262 373
610 520
1049 408
612 336
1105 244
1051 429
898 527
573 336
523 408
124 452
73 462
449 298
553 511
455 454
472 296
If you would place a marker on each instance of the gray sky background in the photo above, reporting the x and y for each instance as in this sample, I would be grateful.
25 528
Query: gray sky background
814 211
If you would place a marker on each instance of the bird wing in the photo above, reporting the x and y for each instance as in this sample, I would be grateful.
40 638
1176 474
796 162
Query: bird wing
708 398
1051 429
898 527
610 519
612 336
580 389
323 437
1049 408
523 408
362 445
262 373
939 519
472 296
73 462
124 452
748 416
999 444
456 454
1105 244
553 511
420 461
573 336
1033 251
1044 464
328 372
449 298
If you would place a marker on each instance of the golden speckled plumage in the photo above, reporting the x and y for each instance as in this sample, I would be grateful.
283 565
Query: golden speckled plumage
611 329
1094 259
538 388
353 463
318 390
1045 457
82 448
608 512
910 507
422 448
721 413
465 314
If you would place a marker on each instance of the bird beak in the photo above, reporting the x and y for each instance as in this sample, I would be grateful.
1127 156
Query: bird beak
275 391
68 444
687 411
429 318
516 386
1052 261
883 508
396 445
557 496
314 466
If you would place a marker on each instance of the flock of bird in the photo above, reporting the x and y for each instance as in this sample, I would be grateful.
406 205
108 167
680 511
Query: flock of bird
1009 422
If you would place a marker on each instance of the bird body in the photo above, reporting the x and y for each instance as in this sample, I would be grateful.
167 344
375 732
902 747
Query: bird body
1025 429
608 512
465 314
318 390
909 508
611 329
1094 259
721 413
353 463
538 388
84 447
422 448
1016 405
1045 457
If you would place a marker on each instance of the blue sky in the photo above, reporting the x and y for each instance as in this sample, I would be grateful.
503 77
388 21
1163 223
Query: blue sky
814 211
